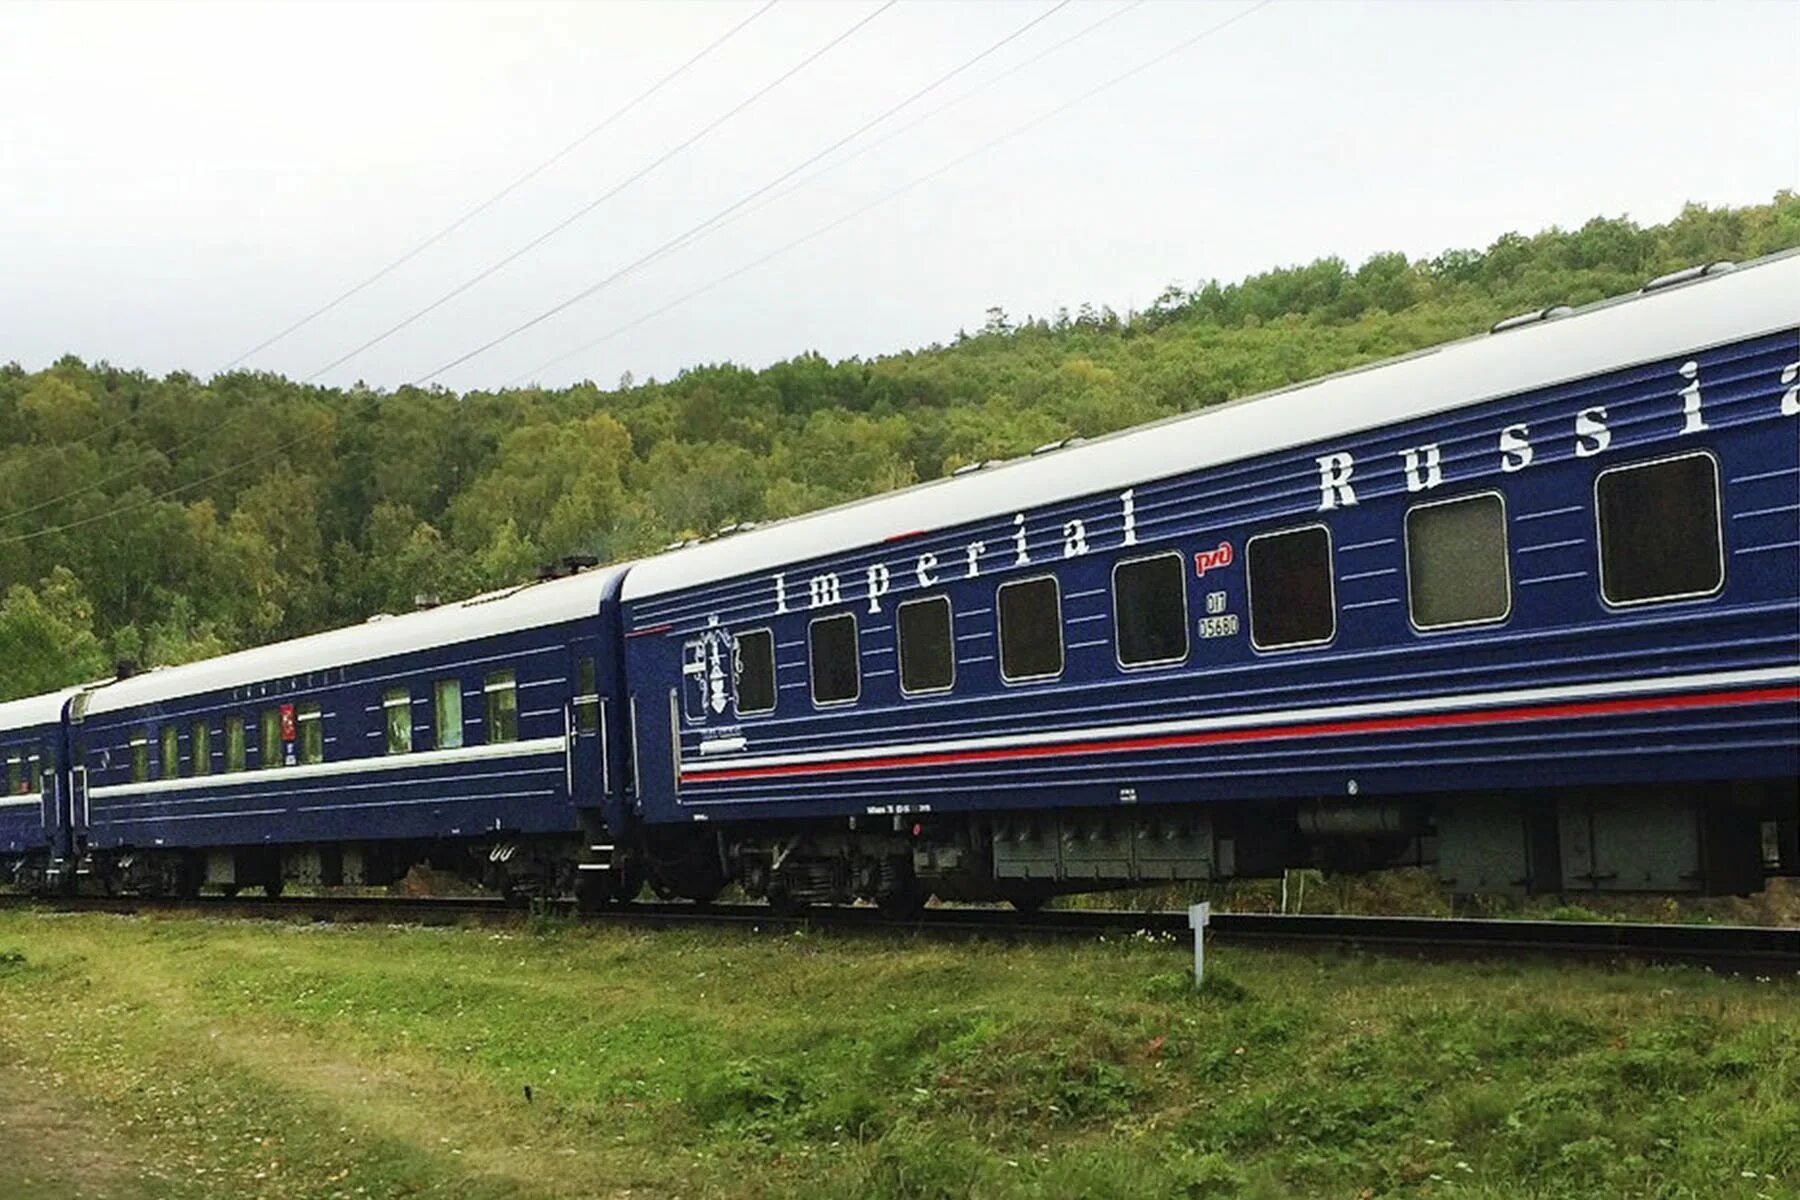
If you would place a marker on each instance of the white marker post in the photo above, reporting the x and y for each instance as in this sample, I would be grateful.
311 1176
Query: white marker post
1198 916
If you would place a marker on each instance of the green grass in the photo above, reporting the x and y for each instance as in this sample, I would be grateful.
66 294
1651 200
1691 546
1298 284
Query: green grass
200 1059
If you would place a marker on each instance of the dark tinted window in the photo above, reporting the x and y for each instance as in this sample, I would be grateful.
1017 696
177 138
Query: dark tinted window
1290 588
502 691
836 671
927 647
755 672
1150 610
140 758
1456 569
1030 614
1659 530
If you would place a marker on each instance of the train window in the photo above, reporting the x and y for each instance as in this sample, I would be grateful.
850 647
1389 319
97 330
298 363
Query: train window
587 696
396 712
1031 642
202 747
1150 610
170 762
1659 530
234 743
447 713
836 659
502 691
927 646
754 689
140 758
1292 602
311 726
269 743
1456 563
15 776
34 770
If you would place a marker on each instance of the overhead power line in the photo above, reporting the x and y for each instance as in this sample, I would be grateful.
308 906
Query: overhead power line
506 191
518 182
700 233
725 213
895 194
887 198
589 207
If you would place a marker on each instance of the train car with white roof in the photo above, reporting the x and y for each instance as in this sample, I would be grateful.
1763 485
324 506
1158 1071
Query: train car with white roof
1525 606
35 817
471 736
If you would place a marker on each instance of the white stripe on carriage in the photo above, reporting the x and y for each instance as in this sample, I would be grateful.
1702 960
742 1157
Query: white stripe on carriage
973 637
21 802
1086 645
791 645
414 803
1573 691
435 781
1372 603
1766 512
979 658
1766 475
1553 578
982 612
1553 545
1550 512
244 812
1369 574
723 745
350 766
1090 617
1345 549
541 712
1085 594
877 674
872 651
1771 546
793 666
544 683
873 630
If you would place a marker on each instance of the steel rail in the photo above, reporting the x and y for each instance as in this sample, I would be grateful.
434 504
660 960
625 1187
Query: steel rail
1744 949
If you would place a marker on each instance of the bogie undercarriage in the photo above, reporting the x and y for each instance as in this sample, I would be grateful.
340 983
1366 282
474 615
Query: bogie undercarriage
1661 839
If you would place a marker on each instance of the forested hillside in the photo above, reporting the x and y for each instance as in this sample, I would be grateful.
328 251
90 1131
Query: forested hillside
165 519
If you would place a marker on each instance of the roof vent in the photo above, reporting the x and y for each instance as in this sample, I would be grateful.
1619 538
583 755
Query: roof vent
125 668
580 562
1688 275
1531 318
1047 447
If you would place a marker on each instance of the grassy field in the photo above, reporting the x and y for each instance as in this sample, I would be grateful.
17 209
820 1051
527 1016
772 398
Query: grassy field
185 1058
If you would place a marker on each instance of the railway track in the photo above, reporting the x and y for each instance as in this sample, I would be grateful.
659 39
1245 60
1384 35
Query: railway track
1743 949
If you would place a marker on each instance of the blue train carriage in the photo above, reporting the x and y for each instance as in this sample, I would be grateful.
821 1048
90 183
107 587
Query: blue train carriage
471 737
34 806
1526 607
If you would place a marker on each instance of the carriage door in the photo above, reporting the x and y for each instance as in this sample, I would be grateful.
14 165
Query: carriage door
585 722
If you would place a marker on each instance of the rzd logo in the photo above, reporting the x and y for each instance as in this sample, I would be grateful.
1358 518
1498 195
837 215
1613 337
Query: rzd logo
1206 560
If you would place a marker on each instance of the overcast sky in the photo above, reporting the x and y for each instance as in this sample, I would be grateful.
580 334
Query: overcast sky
180 182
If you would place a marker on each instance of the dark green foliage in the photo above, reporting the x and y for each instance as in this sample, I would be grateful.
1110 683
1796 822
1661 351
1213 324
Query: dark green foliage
145 543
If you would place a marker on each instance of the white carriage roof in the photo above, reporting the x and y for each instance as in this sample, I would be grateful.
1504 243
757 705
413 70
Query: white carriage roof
528 606
34 710
1758 298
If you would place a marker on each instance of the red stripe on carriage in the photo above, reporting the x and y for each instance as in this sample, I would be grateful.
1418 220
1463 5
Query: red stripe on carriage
1494 716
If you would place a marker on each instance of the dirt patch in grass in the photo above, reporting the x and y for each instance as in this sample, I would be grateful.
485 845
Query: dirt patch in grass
52 1149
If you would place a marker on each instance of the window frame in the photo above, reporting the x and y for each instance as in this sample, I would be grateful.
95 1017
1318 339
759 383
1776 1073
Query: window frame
584 699
900 654
1062 640
239 762
200 748
168 751
490 689
774 673
399 696
1718 518
1187 633
812 682
140 756
1506 558
268 719
438 725
306 713
1330 577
